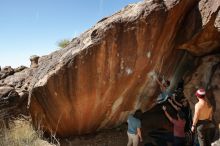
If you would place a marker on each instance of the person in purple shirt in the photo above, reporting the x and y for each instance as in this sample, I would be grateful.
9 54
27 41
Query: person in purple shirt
178 129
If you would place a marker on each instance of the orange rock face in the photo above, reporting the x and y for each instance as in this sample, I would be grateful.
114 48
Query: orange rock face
108 71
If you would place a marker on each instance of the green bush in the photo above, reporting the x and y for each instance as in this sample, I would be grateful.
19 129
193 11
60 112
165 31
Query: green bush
63 43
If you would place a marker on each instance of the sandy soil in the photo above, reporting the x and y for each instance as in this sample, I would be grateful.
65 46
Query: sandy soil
152 120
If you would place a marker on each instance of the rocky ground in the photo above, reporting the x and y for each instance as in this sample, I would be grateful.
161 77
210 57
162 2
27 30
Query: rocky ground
116 137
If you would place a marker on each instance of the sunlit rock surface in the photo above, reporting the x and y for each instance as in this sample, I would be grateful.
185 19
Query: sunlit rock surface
207 36
109 71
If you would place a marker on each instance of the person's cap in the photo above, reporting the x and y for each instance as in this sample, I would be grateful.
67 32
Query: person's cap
200 93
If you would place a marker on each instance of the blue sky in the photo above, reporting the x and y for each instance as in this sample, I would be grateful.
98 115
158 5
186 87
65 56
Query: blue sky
33 27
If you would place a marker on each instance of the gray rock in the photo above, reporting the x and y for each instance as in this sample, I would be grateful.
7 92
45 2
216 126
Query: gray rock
5 90
6 71
34 61
20 68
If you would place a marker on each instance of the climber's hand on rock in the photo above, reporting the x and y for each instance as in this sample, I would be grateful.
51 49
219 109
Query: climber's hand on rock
169 100
192 128
164 108
141 140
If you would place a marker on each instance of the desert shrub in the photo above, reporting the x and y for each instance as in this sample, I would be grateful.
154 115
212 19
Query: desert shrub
21 133
63 43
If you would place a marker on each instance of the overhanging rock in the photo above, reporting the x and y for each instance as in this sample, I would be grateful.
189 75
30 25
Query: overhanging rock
108 71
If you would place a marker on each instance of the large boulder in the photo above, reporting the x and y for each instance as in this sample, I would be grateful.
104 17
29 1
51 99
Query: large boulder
14 93
109 71
6 71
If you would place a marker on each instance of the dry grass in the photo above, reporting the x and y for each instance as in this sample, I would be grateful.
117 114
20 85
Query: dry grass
21 133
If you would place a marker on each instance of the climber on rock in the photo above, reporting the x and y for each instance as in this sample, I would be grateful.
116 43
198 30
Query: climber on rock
134 129
202 120
164 91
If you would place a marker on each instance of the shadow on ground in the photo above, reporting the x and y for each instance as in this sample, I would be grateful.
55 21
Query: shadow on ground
153 121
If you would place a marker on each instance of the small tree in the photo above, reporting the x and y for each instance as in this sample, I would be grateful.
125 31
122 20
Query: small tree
63 43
